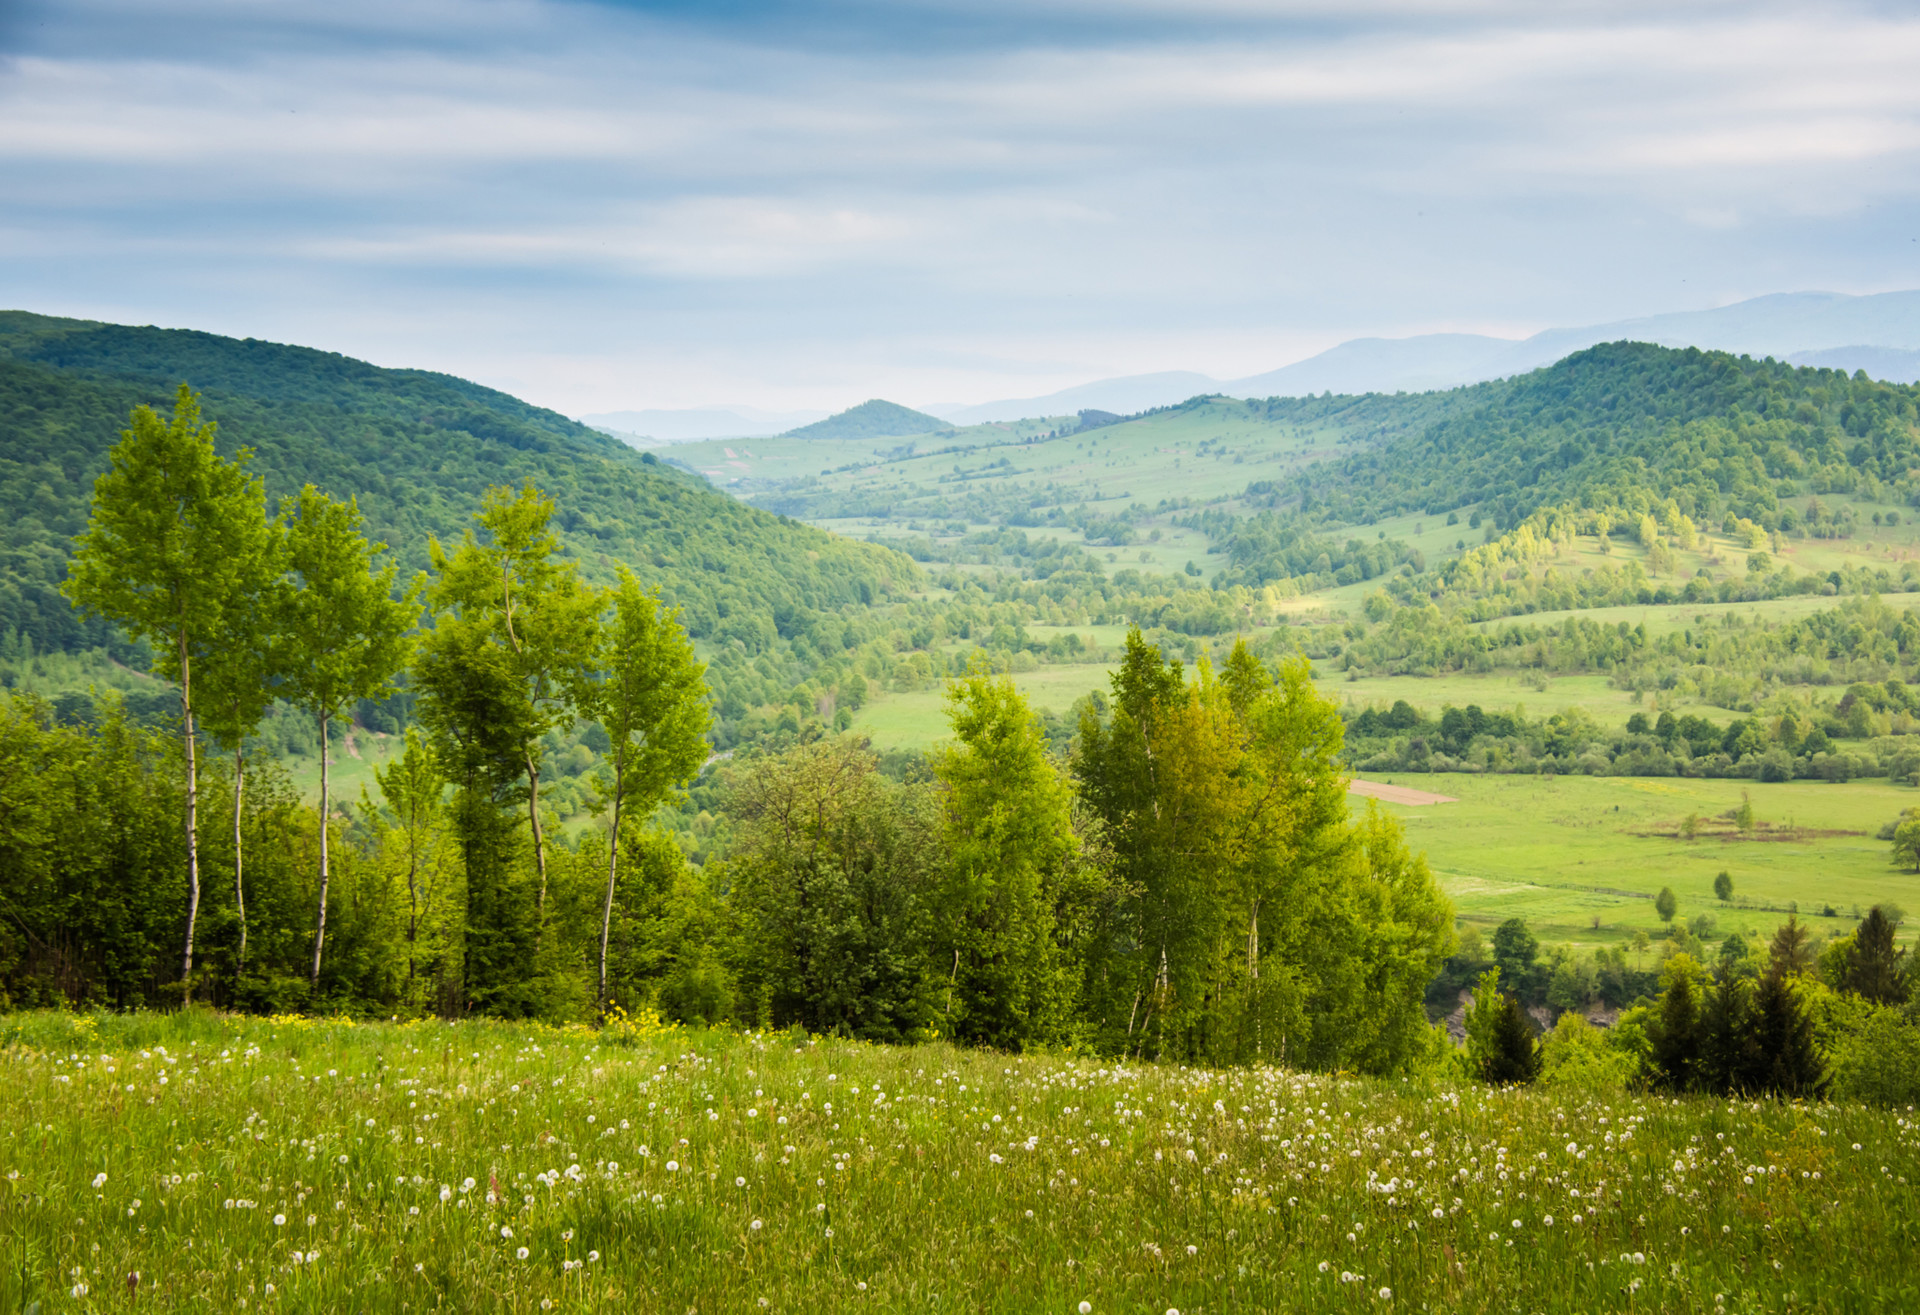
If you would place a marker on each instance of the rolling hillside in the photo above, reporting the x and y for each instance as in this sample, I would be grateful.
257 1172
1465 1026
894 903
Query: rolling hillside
416 448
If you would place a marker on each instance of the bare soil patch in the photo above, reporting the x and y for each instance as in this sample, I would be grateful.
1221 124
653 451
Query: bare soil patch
1396 794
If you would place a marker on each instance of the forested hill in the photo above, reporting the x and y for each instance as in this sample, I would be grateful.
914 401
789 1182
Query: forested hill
416 448
1625 424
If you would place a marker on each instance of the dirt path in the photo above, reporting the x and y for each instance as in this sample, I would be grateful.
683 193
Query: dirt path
1396 794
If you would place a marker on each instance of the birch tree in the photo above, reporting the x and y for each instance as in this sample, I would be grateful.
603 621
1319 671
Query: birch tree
412 786
342 634
644 687
173 534
1009 840
517 607
237 682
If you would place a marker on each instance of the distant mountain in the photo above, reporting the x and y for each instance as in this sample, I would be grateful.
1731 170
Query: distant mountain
1424 364
1785 326
690 424
1125 396
873 419
1888 364
1879 333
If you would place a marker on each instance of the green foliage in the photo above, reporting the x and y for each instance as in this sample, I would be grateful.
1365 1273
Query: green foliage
641 685
1579 1056
1879 1063
1010 850
1666 904
1501 1050
831 890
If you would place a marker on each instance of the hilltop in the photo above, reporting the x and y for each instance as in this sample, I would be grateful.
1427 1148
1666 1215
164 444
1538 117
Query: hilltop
872 419
416 448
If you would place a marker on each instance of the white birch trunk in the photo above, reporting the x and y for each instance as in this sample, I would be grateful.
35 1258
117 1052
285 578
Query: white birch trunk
320 924
193 820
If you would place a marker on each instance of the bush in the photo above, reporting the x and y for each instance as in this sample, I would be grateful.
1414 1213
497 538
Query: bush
1578 1055
1879 1064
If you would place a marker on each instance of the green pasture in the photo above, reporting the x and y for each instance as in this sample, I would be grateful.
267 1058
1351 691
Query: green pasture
918 719
1499 692
202 1162
1564 851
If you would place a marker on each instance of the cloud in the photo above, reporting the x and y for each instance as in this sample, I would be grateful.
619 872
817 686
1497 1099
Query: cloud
614 206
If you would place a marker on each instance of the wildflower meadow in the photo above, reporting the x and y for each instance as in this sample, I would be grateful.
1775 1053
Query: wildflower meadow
204 1161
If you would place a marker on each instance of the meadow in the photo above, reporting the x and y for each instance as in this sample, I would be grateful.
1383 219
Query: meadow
1581 858
206 1161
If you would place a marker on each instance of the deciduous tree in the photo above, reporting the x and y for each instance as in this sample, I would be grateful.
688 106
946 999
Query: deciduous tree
174 533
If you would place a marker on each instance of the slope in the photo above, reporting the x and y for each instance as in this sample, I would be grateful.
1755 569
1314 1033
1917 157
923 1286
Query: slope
416 448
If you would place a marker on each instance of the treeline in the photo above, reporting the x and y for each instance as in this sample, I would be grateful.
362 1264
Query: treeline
1788 740
1795 1019
1188 885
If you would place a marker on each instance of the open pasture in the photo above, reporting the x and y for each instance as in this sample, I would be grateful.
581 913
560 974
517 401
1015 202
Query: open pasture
1564 851
918 719
205 1162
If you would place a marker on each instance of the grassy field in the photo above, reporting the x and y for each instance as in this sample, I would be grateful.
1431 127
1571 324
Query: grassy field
919 719
1563 852
206 1162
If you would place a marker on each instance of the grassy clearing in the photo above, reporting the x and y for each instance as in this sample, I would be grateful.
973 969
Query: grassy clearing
918 720
1563 851
285 1165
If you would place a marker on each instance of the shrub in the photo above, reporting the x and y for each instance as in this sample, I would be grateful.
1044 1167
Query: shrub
1879 1064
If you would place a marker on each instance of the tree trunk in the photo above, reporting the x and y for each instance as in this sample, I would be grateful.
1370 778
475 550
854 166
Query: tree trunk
193 820
239 891
606 911
539 840
413 899
320 924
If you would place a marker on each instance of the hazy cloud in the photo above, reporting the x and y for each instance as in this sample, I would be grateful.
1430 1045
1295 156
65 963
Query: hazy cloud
619 206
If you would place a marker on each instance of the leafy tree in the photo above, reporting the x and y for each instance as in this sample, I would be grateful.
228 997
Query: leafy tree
1906 841
1009 841
342 634
174 534
1515 949
526 613
412 786
831 885
1723 886
1666 904
643 687
238 677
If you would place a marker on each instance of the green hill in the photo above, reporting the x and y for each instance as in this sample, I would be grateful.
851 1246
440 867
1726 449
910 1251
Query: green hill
416 448
874 419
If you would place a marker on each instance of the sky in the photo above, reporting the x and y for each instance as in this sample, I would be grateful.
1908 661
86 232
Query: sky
609 206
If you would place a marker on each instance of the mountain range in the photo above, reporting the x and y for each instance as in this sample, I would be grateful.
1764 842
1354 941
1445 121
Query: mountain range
1879 333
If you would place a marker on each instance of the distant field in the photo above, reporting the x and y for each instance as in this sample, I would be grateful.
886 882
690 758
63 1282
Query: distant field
1562 851
919 719
1497 693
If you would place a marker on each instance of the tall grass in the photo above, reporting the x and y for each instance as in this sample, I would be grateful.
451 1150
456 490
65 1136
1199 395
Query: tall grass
208 1162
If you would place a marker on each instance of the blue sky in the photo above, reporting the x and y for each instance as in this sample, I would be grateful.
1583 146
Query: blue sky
614 206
